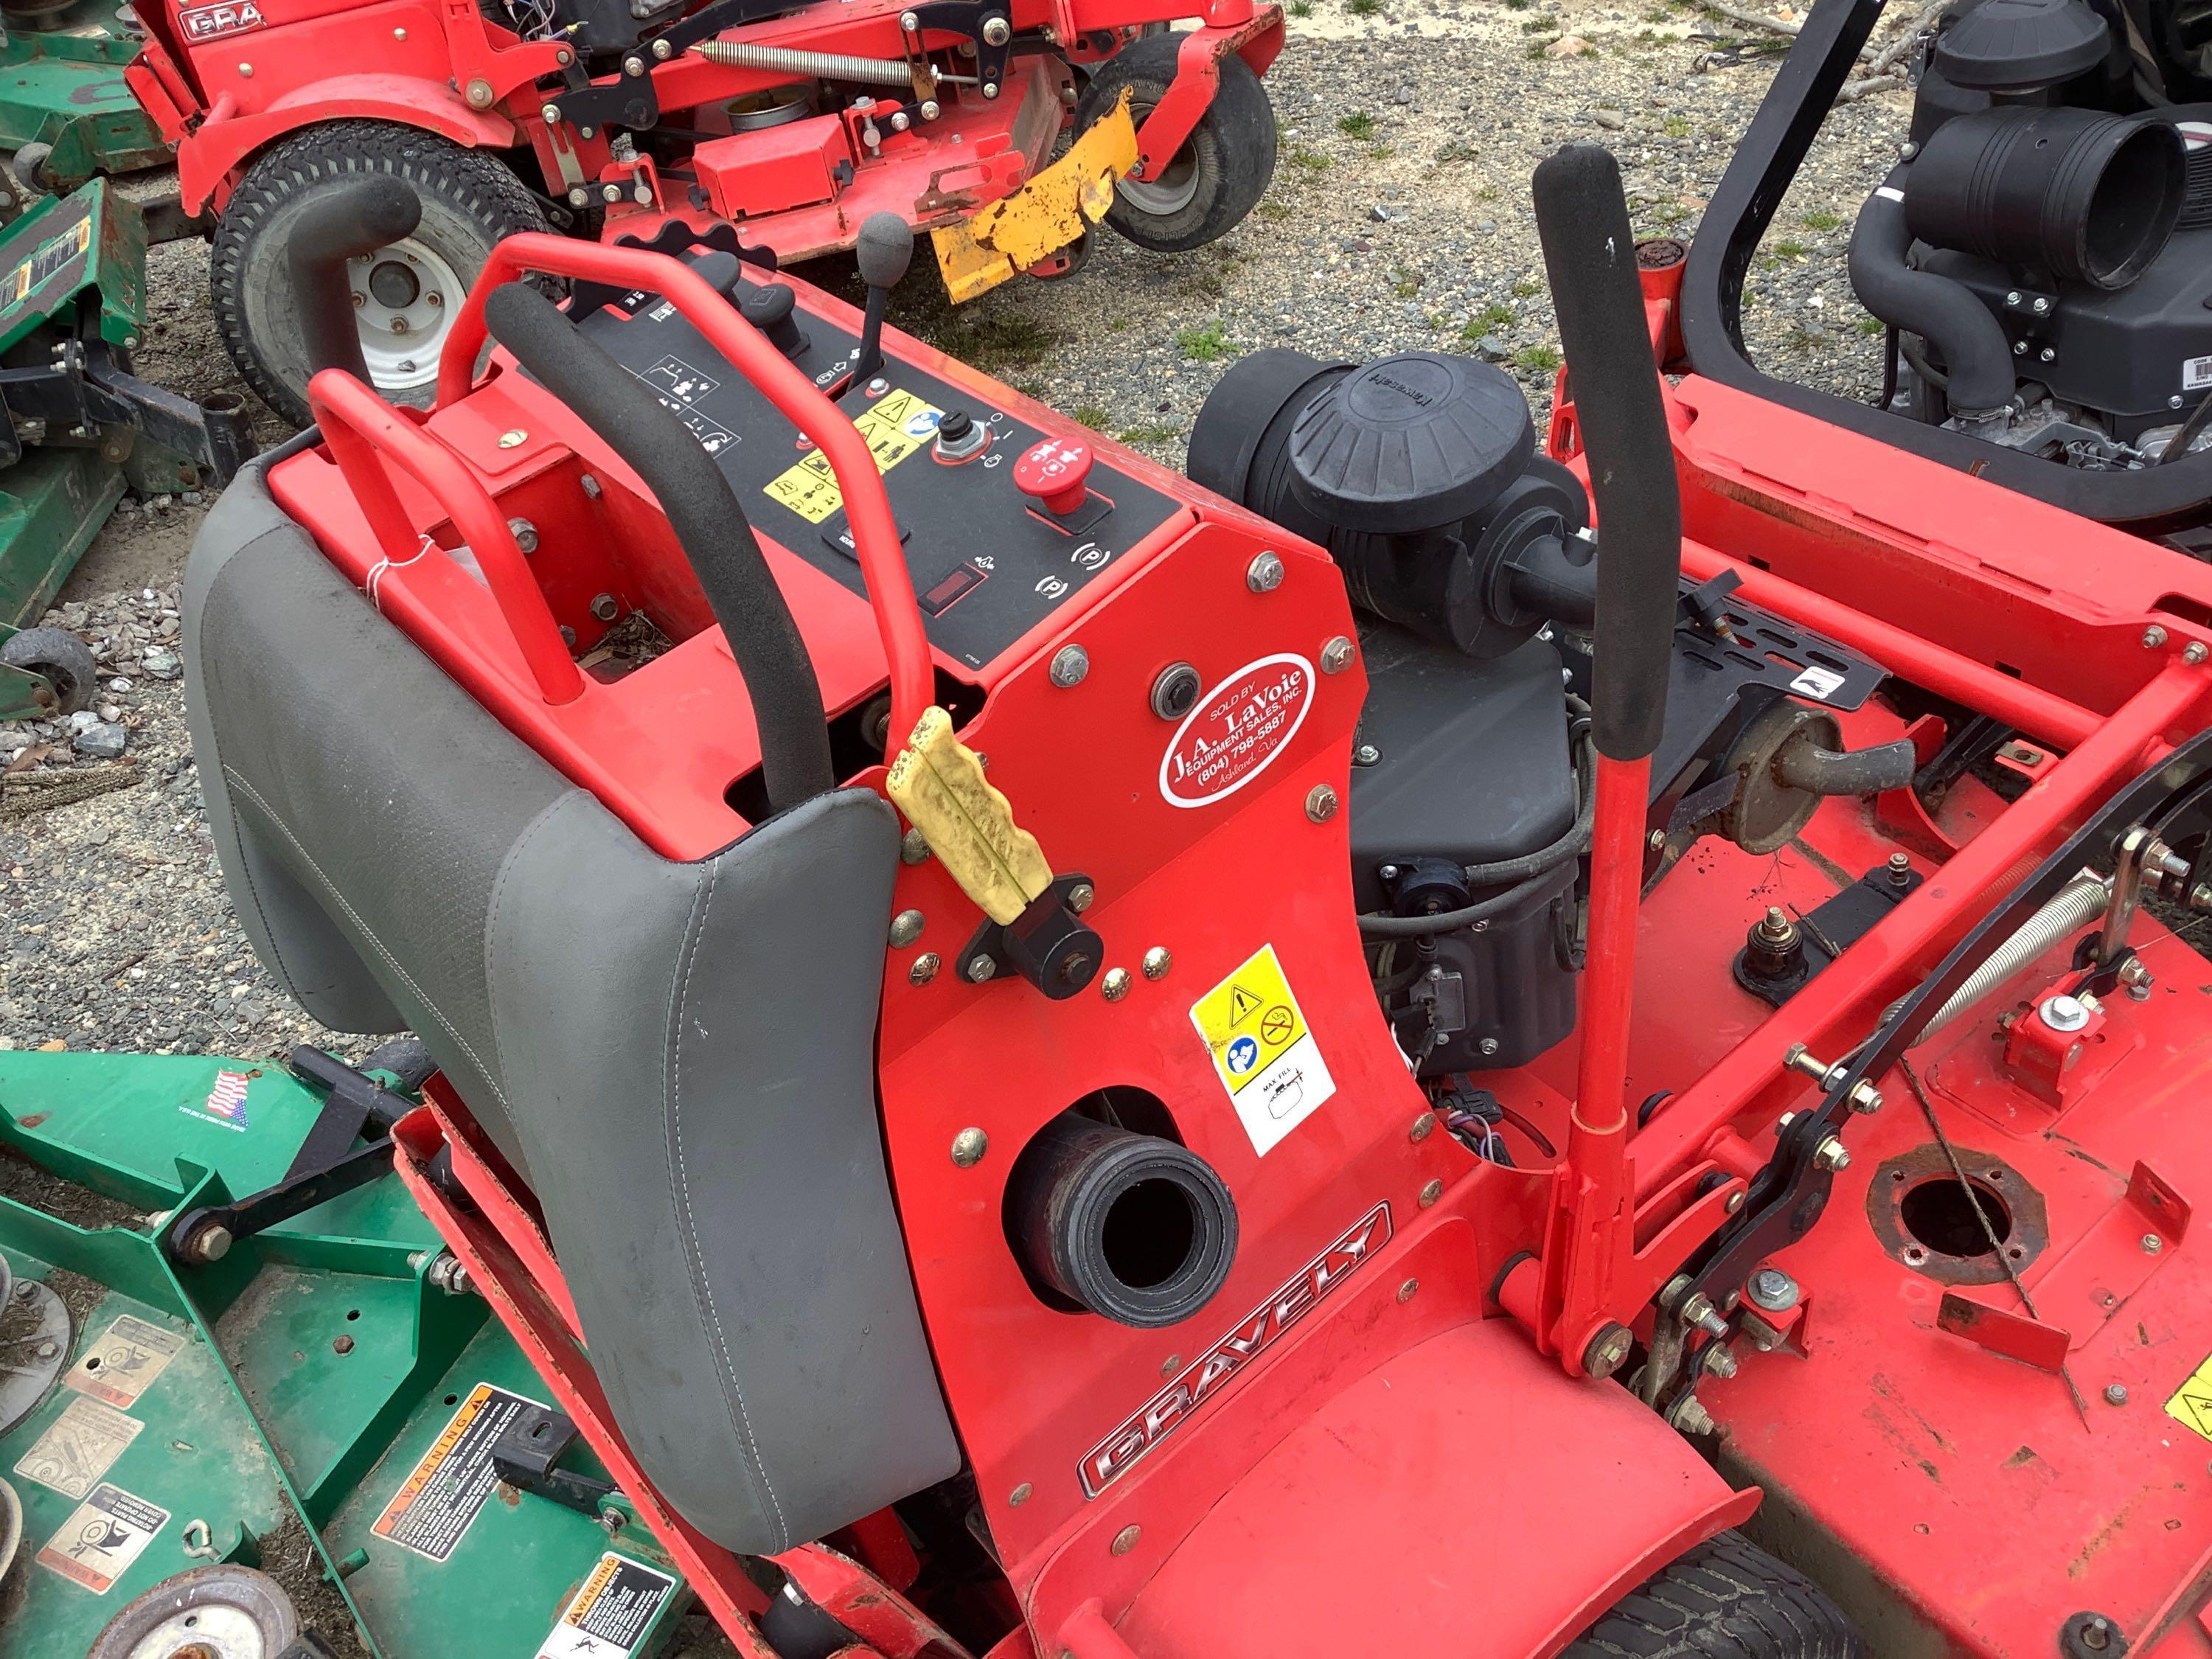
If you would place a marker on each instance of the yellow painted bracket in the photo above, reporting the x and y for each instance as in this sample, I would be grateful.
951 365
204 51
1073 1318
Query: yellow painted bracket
939 783
1044 216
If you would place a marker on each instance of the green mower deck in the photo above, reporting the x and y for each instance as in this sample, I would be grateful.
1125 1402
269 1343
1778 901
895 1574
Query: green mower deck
63 87
313 1403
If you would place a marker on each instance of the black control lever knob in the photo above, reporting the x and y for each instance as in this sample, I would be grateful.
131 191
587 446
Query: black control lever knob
883 251
769 307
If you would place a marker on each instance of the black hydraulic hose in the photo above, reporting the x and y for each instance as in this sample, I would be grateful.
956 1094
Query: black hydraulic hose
709 526
350 223
1582 219
1976 359
1804 764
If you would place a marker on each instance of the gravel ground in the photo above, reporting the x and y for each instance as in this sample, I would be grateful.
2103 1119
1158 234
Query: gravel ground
1399 217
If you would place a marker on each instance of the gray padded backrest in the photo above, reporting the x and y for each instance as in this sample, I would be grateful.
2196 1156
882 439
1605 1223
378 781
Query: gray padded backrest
679 1057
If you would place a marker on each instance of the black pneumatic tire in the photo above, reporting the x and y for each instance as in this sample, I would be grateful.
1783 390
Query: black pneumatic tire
65 661
470 200
1725 1599
1222 170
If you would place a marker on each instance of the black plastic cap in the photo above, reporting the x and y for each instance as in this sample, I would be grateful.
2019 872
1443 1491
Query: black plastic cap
1411 443
2022 46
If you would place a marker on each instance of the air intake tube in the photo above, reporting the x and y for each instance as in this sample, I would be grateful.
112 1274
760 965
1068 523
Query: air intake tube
1945 313
1134 1227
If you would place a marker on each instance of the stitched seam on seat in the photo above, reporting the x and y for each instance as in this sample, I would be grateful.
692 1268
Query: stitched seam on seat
733 1398
491 1081
245 859
492 921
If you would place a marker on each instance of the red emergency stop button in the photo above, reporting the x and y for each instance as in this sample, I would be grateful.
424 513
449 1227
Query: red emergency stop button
1056 473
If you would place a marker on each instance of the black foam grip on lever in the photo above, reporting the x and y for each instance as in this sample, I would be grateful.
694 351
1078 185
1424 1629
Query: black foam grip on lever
1589 254
371 213
709 526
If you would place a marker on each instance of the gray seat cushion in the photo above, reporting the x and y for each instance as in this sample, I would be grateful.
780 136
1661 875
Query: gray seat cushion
679 1057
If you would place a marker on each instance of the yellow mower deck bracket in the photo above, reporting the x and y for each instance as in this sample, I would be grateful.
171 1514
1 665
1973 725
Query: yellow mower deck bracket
1044 216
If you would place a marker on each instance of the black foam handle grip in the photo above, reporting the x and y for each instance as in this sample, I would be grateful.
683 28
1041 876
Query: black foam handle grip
371 213
709 526
1589 254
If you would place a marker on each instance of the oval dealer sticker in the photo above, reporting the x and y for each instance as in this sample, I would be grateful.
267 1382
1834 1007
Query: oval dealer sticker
1237 729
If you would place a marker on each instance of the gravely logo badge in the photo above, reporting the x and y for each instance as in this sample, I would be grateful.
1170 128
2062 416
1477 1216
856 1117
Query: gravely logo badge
1237 729
214 23
1214 1370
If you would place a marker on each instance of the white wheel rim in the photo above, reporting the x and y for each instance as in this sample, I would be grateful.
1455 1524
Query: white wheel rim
403 298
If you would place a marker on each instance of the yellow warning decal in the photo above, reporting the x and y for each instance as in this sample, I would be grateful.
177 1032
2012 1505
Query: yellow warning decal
2192 1403
50 256
1262 1049
895 425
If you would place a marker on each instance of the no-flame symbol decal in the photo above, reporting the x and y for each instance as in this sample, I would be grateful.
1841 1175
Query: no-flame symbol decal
1237 729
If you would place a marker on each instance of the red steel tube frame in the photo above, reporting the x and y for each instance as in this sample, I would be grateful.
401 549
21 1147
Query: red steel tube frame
363 432
795 396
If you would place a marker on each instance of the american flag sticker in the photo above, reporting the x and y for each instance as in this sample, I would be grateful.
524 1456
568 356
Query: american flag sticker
225 1103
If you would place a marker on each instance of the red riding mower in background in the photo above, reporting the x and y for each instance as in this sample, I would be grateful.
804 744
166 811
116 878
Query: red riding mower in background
771 127
1034 1084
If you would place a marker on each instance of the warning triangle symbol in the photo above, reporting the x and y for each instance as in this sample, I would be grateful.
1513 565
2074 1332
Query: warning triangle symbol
1242 1005
2199 1407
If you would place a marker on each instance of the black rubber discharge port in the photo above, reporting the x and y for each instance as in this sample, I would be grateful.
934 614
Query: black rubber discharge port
1420 474
1133 1227
2075 194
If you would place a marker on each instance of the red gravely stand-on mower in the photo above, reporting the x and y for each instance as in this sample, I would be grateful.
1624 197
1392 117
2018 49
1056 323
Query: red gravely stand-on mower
771 127
1412 1074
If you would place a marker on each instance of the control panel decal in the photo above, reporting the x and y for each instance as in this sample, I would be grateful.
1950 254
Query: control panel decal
1237 731
895 425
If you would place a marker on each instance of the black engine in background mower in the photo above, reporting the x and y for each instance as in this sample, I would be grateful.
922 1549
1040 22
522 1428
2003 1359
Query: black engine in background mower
1470 784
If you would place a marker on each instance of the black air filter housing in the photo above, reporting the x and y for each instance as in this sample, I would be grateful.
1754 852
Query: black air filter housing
1411 442
2020 45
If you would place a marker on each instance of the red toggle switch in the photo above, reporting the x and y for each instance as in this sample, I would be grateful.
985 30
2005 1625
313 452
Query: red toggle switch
1056 472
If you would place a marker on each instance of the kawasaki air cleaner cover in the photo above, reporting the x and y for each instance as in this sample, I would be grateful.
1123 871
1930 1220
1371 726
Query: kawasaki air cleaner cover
1411 443
2020 45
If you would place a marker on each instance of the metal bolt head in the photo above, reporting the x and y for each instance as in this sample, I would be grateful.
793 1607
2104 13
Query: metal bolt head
479 93
1658 839
1608 1351
1336 656
2063 1013
1773 1290
210 1244
925 968
2042 305
2013 298
525 534
1366 754
909 21
1019 1495
342 1345
906 926
605 607
913 848
48 1349
968 1147
1070 664
1407 1291
1265 574
2152 1244
1157 961
579 198
1831 1155
1171 1364
1126 1540
2195 652
514 438
979 969
610 193
929 109
661 49
1432 1193
1487 1047
995 32
1079 896
2047 355
2116 1394
1114 985
1321 803
1900 867
2154 637
1424 1127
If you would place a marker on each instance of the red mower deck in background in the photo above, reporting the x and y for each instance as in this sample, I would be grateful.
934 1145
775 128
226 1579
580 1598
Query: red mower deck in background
1375 1135
775 125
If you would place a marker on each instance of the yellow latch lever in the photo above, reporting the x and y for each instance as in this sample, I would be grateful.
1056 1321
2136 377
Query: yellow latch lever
939 783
